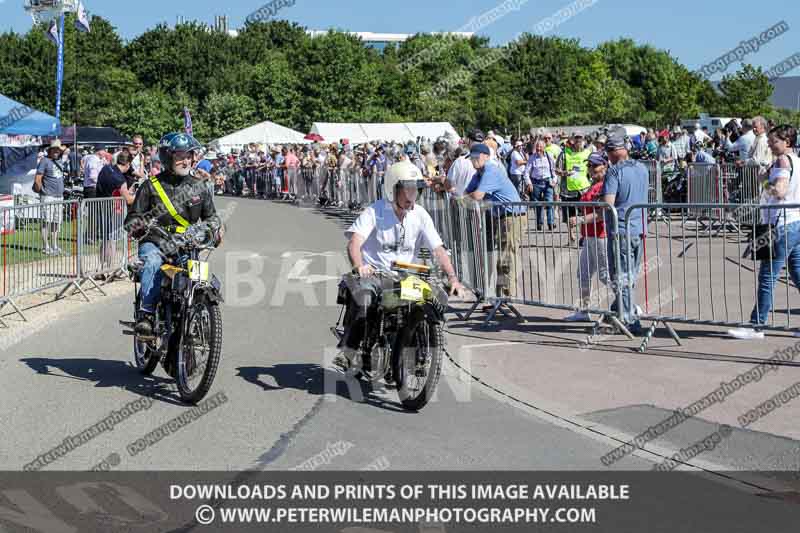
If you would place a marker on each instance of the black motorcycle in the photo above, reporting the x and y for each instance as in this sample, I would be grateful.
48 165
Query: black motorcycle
403 339
187 337
676 188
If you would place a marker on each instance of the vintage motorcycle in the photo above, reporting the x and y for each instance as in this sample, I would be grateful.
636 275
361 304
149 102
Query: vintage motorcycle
403 339
187 337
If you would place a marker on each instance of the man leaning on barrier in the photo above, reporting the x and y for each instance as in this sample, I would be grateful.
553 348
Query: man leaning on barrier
626 184
507 222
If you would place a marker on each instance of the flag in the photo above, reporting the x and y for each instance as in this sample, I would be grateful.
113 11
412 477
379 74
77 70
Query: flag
82 20
60 66
187 121
52 33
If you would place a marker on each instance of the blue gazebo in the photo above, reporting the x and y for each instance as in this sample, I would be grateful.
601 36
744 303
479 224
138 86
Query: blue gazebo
19 119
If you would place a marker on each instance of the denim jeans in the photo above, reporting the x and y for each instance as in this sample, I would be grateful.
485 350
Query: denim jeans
630 264
543 192
786 247
151 276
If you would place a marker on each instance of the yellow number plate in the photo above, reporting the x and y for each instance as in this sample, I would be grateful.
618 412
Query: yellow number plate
198 270
411 289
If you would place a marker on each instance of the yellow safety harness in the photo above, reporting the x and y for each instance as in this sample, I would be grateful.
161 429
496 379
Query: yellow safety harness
183 223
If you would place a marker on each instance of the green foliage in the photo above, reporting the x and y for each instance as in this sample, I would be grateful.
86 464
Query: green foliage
746 93
274 71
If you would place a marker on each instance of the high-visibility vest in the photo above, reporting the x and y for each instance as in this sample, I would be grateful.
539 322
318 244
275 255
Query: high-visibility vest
577 181
182 222
554 150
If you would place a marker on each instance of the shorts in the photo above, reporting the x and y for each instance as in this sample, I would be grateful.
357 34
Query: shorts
51 211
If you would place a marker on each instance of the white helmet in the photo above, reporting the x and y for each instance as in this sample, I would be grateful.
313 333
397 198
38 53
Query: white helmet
404 171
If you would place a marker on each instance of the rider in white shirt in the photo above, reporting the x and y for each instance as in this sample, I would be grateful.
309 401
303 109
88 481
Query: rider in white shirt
388 231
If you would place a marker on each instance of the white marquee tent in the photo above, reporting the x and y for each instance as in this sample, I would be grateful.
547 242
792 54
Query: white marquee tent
262 133
358 133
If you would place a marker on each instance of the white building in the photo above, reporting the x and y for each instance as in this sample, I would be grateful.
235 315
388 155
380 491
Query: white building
380 40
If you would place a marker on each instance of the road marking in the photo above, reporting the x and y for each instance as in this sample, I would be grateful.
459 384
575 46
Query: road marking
489 345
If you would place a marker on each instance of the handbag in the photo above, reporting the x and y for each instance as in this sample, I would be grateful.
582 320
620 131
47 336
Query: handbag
761 243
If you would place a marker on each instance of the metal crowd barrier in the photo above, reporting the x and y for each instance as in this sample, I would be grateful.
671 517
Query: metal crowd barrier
699 277
103 241
655 191
61 244
462 228
348 187
723 184
498 252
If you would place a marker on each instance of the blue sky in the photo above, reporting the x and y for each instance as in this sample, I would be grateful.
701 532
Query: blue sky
695 32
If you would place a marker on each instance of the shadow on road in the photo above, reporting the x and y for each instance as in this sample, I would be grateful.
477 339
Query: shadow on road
106 373
320 381
546 331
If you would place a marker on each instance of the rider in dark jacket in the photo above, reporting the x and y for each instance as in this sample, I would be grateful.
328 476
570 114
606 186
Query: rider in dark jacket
176 201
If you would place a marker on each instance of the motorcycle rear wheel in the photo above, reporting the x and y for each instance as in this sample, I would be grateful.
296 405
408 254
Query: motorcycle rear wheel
200 351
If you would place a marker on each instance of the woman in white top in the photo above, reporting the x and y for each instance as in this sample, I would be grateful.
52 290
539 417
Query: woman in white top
782 188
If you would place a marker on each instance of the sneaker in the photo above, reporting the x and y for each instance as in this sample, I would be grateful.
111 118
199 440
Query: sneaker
745 333
579 316
56 250
47 251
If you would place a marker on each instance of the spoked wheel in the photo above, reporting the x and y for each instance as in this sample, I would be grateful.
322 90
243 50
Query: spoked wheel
145 358
200 352
418 363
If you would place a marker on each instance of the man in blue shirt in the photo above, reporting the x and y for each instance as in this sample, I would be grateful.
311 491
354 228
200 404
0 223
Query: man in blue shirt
505 223
626 184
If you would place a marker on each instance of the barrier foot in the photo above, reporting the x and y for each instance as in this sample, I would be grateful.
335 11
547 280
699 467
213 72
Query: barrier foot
616 321
472 309
493 312
77 287
673 333
647 337
96 286
516 312
16 310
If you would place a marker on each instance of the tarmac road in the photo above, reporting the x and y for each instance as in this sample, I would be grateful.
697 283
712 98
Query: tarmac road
74 372
282 404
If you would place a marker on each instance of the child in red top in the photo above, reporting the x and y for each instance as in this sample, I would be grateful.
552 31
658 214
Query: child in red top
594 257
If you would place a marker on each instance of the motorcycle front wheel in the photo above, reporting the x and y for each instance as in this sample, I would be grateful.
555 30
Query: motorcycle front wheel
200 352
418 363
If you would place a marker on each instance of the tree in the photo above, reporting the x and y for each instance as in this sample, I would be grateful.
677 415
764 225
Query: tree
149 112
223 113
746 93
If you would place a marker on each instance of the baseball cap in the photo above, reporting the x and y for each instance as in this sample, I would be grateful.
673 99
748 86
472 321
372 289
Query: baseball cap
577 133
615 141
479 149
597 159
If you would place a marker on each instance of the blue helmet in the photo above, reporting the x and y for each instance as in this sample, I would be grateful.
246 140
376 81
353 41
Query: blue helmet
175 142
